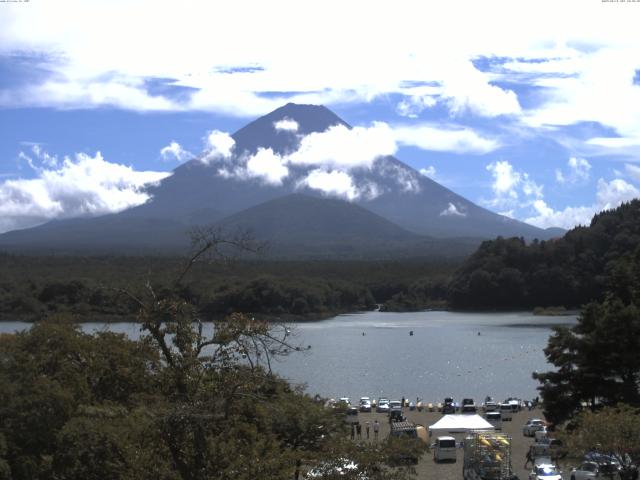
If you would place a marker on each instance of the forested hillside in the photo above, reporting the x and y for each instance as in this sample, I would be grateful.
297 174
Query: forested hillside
569 271
90 287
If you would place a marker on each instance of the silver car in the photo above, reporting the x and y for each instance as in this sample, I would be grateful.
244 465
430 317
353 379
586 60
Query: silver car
590 470
532 426
383 405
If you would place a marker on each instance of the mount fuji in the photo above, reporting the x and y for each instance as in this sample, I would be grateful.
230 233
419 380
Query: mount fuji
281 177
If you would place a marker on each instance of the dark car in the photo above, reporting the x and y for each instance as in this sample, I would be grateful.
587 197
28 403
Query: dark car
396 416
448 406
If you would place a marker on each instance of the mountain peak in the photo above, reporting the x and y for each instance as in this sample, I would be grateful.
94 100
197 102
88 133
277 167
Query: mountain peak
280 129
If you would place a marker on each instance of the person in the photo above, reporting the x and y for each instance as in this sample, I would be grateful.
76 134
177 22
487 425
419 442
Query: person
529 459
359 430
376 429
353 431
402 404
367 428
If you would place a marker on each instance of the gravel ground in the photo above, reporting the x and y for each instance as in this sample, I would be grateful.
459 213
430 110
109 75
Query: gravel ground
427 469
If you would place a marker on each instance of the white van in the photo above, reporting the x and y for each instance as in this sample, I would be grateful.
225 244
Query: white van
506 411
445 449
495 419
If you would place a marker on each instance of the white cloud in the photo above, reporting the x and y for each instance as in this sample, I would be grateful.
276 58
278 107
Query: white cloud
468 89
218 145
337 149
612 194
41 157
404 177
47 160
127 94
505 179
268 166
608 195
286 124
458 140
567 218
430 171
593 86
510 186
92 66
414 105
453 211
633 171
342 147
579 169
84 186
333 182
174 151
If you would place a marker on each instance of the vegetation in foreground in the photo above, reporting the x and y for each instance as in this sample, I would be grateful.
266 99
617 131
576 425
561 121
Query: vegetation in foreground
593 395
176 404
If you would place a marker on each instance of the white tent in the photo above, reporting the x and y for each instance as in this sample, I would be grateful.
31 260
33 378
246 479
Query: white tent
452 424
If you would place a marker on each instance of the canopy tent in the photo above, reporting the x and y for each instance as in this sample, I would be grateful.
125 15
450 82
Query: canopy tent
451 424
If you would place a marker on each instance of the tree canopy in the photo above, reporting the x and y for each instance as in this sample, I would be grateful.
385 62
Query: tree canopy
613 431
184 402
569 271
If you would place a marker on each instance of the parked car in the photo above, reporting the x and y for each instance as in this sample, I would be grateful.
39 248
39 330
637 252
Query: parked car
506 412
344 401
590 470
395 405
383 405
444 449
516 404
468 406
541 434
548 447
396 416
365 404
448 406
601 458
495 419
352 415
490 405
532 426
545 470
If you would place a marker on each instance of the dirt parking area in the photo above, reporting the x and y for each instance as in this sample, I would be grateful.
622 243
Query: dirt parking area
427 469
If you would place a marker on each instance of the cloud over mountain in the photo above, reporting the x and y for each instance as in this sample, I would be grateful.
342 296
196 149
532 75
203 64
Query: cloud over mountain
82 186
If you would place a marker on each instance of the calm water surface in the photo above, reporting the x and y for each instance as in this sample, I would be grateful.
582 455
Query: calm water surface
449 354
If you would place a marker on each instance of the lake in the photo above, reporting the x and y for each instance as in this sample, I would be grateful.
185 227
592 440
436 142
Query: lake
449 354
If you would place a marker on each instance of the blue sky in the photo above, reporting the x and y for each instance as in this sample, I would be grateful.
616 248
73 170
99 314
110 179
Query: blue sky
530 109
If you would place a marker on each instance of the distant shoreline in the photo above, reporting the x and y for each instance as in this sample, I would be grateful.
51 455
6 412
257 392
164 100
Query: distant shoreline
320 316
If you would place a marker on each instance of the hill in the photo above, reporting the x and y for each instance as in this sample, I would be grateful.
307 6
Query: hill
570 271
301 226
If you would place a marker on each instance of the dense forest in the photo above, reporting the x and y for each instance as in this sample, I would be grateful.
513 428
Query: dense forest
506 273
33 287
568 271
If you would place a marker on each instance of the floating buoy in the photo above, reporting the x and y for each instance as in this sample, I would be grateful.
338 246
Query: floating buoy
411 333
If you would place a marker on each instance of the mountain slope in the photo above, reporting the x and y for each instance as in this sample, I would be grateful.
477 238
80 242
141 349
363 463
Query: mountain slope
206 190
298 225
405 197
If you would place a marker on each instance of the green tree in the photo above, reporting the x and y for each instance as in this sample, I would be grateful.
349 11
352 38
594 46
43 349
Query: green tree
613 431
597 361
